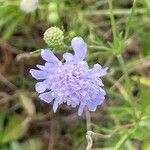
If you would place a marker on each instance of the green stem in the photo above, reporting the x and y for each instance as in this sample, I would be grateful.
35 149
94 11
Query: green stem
104 48
128 84
120 59
122 64
124 138
129 20
116 12
119 56
112 20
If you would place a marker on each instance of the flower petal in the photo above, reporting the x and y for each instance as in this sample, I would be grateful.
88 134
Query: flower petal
79 47
47 97
68 57
41 67
80 110
84 65
92 104
55 105
98 71
38 74
40 87
49 56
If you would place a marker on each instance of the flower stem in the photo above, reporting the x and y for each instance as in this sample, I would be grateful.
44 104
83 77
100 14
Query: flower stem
89 132
128 84
129 20
52 132
124 138
112 19
88 119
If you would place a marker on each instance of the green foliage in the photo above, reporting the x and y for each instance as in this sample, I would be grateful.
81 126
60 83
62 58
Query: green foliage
146 145
32 144
2 119
15 129
145 102
27 103
15 146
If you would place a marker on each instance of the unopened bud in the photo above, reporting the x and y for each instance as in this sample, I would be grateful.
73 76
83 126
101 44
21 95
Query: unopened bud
53 37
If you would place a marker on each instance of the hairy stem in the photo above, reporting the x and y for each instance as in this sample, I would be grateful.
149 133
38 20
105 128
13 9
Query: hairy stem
112 19
88 126
129 20
128 84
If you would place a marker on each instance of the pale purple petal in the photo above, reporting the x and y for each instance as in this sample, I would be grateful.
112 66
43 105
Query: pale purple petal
40 87
98 71
80 110
103 71
102 91
51 68
41 67
84 65
48 67
47 97
92 104
55 105
99 82
68 57
38 74
49 56
79 47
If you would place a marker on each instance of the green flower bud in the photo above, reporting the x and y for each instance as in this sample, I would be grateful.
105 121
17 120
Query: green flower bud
53 37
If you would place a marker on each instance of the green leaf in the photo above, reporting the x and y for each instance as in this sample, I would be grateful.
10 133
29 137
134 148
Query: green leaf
9 31
2 119
27 103
5 20
141 133
98 54
129 145
142 80
15 146
125 136
123 113
145 101
33 144
16 128
146 145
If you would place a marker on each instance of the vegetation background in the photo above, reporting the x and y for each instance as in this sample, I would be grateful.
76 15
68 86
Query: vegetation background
118 35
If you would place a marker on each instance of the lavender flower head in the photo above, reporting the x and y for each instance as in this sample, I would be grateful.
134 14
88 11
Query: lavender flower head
28 6
71 82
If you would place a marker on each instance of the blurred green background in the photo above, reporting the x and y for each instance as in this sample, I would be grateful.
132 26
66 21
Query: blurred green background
123 121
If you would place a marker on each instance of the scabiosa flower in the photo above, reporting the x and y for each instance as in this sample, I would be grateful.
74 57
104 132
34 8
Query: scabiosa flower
71 82
28 6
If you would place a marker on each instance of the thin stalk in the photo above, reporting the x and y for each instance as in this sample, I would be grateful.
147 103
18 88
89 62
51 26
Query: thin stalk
129 20
128 84
119 56
116 12
122 64
99 47
120 59
115 45
52 133
112 19
88 119
124 138
89 132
